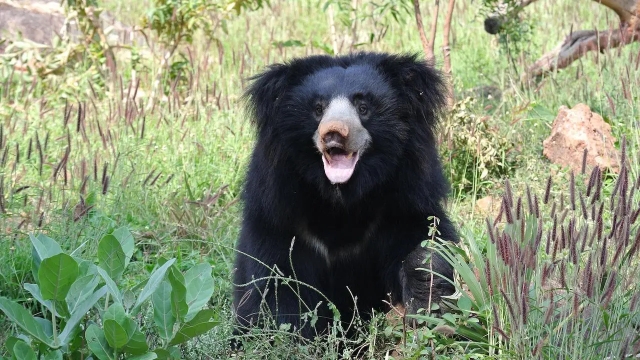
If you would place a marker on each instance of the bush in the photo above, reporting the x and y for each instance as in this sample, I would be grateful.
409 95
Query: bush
474 151
77 324
556 275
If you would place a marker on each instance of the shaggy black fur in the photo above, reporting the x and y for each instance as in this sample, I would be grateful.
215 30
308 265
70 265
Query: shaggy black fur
360 239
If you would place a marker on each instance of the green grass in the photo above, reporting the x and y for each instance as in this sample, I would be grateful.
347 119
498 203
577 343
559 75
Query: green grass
164 164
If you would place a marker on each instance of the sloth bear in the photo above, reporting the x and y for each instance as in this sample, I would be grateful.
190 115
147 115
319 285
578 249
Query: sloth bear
340 189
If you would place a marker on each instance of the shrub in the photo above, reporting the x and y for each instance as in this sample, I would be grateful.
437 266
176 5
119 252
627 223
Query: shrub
69 291
556 275
474 151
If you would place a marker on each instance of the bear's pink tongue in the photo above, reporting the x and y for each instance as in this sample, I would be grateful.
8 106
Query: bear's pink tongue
339 167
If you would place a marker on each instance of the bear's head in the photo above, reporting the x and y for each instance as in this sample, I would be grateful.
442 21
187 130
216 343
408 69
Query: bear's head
348 123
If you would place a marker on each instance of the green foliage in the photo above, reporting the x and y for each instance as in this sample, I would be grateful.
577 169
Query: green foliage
513 30
551 270
70 64
476 154
177 21
78 325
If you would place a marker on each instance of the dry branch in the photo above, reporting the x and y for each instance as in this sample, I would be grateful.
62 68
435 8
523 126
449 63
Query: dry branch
428 50
578 43
447 50
434 27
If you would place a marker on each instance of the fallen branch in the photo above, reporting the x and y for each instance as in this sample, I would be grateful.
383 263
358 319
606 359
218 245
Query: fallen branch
578 43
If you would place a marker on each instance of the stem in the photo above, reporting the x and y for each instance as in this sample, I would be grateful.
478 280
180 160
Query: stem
332 26
354 24
53 322
447 51
428 51
434 28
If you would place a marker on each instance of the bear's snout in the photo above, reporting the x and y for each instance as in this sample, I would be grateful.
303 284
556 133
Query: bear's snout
336 127
334 134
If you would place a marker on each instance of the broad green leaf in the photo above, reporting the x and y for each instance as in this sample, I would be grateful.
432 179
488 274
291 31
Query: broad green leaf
111 256
200 324
97 343
199 284
115 334
147 356
135 340
81 311
22 351
126 242
137 344
111 286
81 289
34 290
162 354
115 312
52 355
154 281
56 275
179 307
162 314
464 304
24 320
43 247
86 267
46 325
168 354
128 299
9 343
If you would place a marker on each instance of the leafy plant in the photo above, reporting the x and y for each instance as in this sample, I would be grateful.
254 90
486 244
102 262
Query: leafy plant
503 17
176 22
552 270
69 290
73 61
475 150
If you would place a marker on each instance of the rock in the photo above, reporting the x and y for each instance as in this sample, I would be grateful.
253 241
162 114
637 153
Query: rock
40 20
37 25
489 206
575 130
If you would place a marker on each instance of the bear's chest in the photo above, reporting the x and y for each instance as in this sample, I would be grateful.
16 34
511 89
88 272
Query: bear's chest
339 239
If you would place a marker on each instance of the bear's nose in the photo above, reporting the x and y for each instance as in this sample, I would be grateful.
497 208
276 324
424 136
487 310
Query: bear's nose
333 138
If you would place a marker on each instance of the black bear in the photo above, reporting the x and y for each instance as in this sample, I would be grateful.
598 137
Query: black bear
340 189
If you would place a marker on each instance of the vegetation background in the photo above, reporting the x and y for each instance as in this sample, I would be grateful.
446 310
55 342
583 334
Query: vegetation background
150 136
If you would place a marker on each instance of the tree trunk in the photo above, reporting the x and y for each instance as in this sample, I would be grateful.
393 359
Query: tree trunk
428 50
447 50
434 29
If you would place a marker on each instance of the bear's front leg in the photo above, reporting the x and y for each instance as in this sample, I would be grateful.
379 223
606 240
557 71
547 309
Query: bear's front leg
420 287
277 289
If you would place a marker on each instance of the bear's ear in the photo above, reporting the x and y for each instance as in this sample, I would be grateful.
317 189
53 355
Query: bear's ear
266 89
421 85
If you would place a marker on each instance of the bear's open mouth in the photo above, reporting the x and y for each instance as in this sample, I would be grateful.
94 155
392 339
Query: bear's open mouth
339 164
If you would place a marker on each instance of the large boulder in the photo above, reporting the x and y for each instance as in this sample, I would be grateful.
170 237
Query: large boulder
36 21
40 20
575 130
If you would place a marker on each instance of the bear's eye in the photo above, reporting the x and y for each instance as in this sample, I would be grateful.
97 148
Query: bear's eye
319 110
363 109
